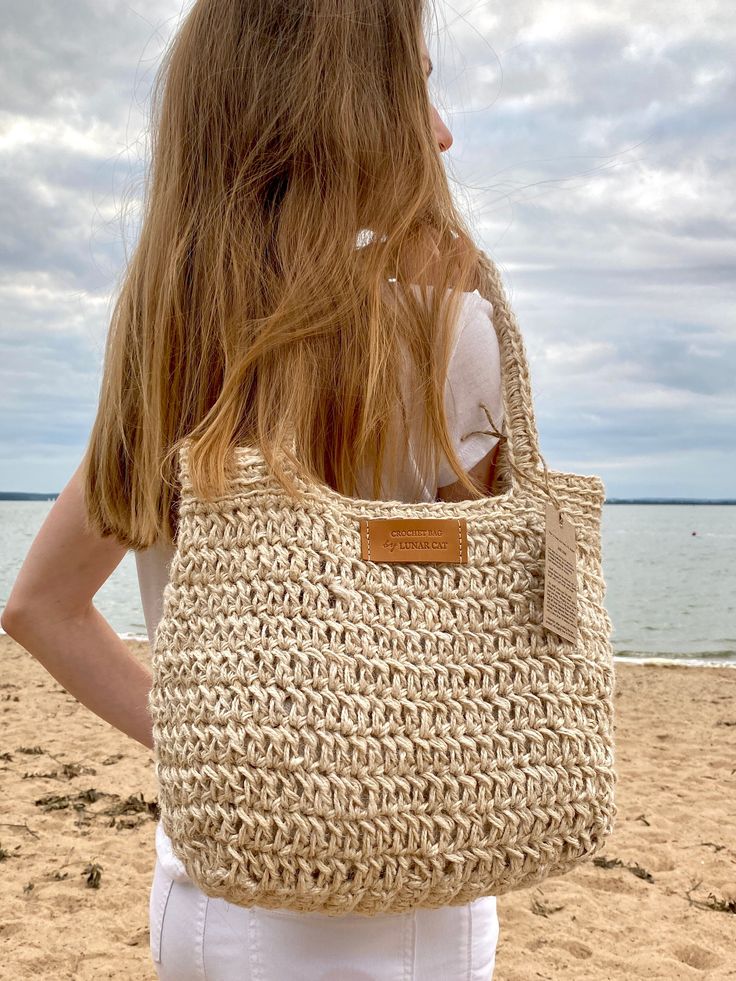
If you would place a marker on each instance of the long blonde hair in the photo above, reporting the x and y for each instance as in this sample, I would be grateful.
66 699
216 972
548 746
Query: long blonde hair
295 189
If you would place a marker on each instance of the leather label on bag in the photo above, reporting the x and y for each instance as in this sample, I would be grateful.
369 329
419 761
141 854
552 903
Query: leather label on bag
414 539
560 612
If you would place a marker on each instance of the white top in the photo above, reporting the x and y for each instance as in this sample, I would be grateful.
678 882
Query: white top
474 375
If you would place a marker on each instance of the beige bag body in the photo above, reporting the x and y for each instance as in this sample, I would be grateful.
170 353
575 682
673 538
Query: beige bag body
342 733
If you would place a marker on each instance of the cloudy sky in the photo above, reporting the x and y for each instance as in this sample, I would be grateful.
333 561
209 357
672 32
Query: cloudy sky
593 150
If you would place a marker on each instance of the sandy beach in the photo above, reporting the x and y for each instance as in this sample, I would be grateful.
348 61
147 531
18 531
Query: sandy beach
78 816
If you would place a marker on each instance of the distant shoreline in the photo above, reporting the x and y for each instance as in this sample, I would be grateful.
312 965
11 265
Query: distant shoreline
23 496
668 500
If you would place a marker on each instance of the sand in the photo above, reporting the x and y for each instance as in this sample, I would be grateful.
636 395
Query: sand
77 824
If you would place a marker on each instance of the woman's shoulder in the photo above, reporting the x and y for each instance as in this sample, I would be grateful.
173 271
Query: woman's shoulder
477 309
473 380
474 371
475 336
473 308
474 348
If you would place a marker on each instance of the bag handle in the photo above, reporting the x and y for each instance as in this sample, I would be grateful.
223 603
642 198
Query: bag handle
523 440
523 455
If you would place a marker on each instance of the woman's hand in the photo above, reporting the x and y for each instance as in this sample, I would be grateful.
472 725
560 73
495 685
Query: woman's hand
50 613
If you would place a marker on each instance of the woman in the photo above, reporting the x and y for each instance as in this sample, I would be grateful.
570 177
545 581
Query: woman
254 307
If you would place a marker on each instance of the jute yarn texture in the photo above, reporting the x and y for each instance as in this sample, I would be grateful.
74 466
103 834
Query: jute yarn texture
338 735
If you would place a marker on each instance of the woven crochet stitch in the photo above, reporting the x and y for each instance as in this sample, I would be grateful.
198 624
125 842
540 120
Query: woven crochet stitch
338 735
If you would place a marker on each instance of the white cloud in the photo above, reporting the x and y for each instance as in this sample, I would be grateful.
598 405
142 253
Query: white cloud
593 148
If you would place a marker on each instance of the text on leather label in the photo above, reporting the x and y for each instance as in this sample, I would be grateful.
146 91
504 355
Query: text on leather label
414 539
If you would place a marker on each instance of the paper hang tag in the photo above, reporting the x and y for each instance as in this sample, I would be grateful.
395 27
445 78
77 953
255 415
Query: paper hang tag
560 613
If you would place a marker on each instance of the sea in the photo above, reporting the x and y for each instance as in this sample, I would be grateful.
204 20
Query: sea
670 572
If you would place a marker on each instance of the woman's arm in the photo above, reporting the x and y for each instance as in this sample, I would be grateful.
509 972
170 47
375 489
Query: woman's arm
483 473
50 613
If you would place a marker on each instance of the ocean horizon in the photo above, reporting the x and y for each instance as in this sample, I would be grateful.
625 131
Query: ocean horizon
667 566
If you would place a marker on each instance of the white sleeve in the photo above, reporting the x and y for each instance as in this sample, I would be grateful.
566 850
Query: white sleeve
474 376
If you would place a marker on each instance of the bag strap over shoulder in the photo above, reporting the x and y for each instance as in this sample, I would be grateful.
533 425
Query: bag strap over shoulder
520 424
520 436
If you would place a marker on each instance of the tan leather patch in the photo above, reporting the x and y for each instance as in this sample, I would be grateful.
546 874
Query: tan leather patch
414 539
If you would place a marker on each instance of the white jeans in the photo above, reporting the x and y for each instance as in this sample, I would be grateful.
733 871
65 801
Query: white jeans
195 937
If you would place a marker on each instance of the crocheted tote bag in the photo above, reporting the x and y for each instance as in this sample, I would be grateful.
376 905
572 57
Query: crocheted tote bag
338 731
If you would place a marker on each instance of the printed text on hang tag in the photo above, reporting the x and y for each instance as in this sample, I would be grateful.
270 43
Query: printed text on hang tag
560 613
